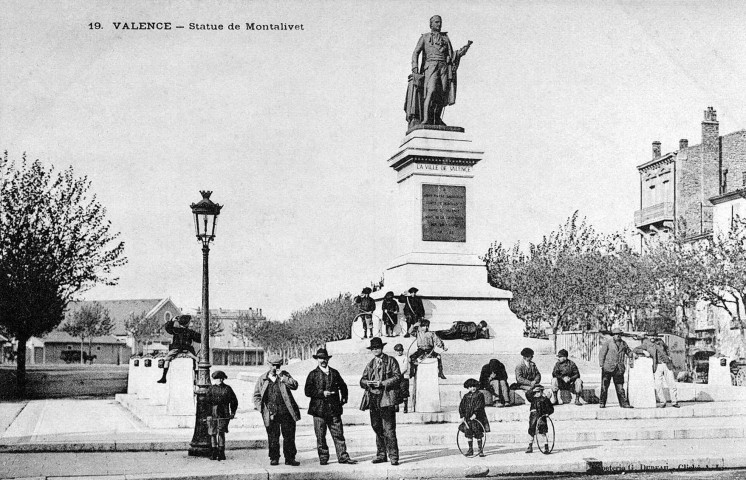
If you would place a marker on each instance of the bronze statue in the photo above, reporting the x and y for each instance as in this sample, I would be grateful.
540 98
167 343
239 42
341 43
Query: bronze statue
432 85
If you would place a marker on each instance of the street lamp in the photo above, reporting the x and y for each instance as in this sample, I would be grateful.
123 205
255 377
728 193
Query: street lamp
205 218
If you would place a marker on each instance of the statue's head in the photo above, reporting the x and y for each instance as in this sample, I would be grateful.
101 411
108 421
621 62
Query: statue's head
436 22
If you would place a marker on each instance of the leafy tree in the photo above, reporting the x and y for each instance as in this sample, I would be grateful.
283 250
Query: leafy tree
142 329
244 328
55 242
216 326
90 320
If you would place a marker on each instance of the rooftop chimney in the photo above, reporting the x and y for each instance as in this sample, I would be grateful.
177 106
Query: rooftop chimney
710 127
683 143
656 149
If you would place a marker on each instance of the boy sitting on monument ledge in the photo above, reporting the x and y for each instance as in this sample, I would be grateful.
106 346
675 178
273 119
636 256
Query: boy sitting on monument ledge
181 341
426 343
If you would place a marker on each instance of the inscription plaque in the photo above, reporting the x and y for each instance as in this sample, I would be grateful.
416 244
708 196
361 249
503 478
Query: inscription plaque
443 213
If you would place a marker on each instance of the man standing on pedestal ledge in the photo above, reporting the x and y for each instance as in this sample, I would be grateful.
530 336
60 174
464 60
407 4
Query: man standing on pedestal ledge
381 382
436 75
367 306
414 311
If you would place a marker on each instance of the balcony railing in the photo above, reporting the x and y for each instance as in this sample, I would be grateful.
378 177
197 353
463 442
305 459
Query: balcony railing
659 212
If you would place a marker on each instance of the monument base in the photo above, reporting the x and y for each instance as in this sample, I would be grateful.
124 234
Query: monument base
427 388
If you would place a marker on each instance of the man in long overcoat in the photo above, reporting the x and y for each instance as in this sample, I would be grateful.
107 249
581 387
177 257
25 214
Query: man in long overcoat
612 357
381 382
328 392
273 397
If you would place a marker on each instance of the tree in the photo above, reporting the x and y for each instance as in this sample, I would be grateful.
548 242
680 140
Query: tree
55 242
90 320
142 329
216 326
244 328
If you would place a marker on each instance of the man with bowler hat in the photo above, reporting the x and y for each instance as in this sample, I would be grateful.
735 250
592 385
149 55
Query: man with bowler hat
414 311
611 358
274 399
380 381
328 392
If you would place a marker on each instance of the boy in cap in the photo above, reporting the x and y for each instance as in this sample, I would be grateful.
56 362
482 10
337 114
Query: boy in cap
612 357
390 309
183 336
426 343
273 397
414 310
471 410
380 381
328 392
404 369
537 426
367 306
223 405
566 376
527 374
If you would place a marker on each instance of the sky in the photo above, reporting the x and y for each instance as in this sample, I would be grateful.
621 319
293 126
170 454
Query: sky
291 130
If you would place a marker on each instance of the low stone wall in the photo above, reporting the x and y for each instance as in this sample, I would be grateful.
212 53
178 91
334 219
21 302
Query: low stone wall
66 381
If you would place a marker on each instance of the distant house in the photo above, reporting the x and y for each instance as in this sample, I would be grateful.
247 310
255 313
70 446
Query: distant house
225 349
60 347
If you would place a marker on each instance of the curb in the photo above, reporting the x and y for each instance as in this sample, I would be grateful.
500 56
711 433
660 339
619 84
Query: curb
73 447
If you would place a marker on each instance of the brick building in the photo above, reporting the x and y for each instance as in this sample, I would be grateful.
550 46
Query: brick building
676 187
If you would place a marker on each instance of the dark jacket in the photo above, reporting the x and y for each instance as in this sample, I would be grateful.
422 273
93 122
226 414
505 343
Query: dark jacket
525 375
223 399
321 406
412 306
495 366
182 338
473 404
611 357
390 306
260 402
389 380
566 369
367 304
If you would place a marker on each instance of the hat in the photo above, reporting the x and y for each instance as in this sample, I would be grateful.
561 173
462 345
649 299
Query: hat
414 290
471 383
483 324
274 359
399 346
537 388
616 330
389 295
367 290
375 342
527 352
322 354
562 353
219 374
184 319
424 322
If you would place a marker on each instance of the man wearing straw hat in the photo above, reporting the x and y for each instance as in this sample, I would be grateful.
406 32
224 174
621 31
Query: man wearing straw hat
380 381
274 399
328 392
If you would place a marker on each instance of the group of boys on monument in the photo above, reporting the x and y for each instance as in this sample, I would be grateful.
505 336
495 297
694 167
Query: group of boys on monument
432 85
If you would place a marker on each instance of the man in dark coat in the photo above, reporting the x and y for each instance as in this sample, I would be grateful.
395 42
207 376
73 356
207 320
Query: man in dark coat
183 336
390 309
367 306
414 310
274 399
566 376
494 378
381 383
328 392
612 357
527 374
465 331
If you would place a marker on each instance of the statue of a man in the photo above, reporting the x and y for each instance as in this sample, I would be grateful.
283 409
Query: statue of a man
437 71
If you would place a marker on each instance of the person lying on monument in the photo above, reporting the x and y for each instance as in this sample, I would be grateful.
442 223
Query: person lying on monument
426 343
183 336
465 331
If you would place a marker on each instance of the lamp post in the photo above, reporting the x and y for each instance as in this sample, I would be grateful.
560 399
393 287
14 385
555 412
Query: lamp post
205 218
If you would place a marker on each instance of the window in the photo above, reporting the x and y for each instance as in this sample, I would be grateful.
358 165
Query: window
167 316
69 347
98 348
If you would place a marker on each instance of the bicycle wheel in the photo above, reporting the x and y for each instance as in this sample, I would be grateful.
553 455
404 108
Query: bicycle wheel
462 440
550 434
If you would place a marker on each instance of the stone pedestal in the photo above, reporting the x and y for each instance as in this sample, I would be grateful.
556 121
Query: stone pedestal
641 386
719 374
436 249
181 400
149 375
133 376
427 389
